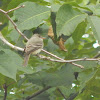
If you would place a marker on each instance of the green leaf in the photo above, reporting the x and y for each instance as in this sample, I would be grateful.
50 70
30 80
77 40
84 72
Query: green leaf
32 15
67 90
51 47
55 7
42 96
95 9
64 76
95 25
85 76
14 35
67 19
8 63
12 3
79 31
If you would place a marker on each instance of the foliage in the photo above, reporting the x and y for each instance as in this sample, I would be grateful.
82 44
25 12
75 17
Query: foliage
77 22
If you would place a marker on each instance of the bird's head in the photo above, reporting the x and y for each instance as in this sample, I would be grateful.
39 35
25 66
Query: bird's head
38 35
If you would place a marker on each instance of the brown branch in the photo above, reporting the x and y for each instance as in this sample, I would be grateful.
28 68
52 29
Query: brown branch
15 26
52 54
15 8
61 61
5 91
68 61
77 65
37 93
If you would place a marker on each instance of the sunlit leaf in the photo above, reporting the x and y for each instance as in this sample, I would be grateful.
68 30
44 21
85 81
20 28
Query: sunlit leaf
31 15
68 19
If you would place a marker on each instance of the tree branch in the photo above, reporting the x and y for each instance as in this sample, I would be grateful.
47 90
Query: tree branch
9 44
15 26
77 65
15 9
68 61
52 54
5 91
37 93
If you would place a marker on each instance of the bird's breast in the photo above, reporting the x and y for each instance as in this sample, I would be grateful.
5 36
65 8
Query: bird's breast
37 51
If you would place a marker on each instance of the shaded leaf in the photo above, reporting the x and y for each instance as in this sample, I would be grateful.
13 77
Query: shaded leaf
8 63
95 23
64 76
85 76
79 31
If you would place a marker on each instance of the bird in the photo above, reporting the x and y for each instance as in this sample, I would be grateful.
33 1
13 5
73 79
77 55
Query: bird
33 46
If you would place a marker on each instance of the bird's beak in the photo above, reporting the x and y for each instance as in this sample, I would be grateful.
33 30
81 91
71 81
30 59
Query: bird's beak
43 37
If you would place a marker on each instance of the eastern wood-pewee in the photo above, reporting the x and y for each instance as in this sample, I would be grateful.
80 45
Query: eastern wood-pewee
33 46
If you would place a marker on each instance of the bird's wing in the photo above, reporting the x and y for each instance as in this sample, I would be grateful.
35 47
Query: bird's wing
33 47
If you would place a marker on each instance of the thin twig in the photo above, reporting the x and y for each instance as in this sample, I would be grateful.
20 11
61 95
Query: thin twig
61 93
15 8
52 54
61 61
68 61
37 93
77 65
15 26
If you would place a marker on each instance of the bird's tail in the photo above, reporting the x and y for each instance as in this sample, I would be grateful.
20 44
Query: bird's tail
26 58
